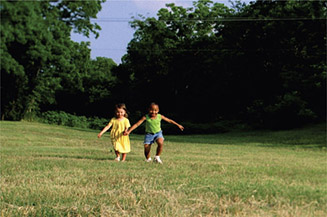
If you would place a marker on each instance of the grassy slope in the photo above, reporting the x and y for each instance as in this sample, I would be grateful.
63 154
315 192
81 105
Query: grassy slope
59 171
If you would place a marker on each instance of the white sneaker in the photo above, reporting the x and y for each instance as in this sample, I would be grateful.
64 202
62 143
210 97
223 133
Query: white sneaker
157 159
117 159
148 160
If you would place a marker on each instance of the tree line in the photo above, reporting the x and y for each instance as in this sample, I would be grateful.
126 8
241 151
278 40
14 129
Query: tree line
263 63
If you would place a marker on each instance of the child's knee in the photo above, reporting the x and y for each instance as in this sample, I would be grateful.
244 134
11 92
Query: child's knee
160 141
146 145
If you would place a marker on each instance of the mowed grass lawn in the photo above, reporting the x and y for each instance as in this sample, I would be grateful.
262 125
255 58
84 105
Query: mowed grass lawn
60 171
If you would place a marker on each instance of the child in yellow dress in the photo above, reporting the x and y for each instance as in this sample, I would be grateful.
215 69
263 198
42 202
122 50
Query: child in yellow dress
119 125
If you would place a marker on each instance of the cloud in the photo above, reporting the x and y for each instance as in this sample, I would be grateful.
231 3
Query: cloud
153 6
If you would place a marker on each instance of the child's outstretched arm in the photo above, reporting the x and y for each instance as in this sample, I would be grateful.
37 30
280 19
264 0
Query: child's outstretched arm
135 126
172 122
105 129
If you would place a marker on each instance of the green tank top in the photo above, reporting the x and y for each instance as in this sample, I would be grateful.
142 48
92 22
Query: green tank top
153 125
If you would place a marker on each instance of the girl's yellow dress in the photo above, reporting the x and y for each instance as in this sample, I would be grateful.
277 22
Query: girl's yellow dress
120 142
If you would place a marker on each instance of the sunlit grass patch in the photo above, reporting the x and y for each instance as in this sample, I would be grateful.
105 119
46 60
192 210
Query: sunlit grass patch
59 171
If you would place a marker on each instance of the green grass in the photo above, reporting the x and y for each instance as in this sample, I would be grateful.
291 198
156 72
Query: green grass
60 171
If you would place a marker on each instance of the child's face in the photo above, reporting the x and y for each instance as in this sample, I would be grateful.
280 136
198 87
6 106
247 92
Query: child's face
153 110
120 113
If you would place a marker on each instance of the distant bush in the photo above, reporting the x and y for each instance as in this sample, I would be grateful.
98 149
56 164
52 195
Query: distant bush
202 128
97 123
66 119
286 112
54 117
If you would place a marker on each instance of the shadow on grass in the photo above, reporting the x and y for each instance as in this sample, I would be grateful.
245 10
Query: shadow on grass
83 129
313 137
78 157
295 146
310 137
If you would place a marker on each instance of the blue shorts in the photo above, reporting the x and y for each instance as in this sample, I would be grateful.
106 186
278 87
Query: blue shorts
150 138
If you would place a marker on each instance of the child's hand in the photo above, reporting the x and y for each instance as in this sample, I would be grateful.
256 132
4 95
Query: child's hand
181 127
126 133
99 135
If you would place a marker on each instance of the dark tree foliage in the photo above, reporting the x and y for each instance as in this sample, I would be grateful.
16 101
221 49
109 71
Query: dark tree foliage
283 61
37 55
94 96
263 63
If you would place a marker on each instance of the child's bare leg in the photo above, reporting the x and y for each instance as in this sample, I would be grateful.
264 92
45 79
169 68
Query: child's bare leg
123 156
117 155
147 149
160 142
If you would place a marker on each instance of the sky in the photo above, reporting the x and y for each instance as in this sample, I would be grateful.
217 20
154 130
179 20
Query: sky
116 32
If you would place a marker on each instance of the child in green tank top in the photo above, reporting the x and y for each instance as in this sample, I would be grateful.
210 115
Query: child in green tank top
153 132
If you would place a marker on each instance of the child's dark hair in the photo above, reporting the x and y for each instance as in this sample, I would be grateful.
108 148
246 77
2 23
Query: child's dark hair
153 104
121 106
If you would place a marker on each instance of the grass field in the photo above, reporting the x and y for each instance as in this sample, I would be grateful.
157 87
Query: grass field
60 171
